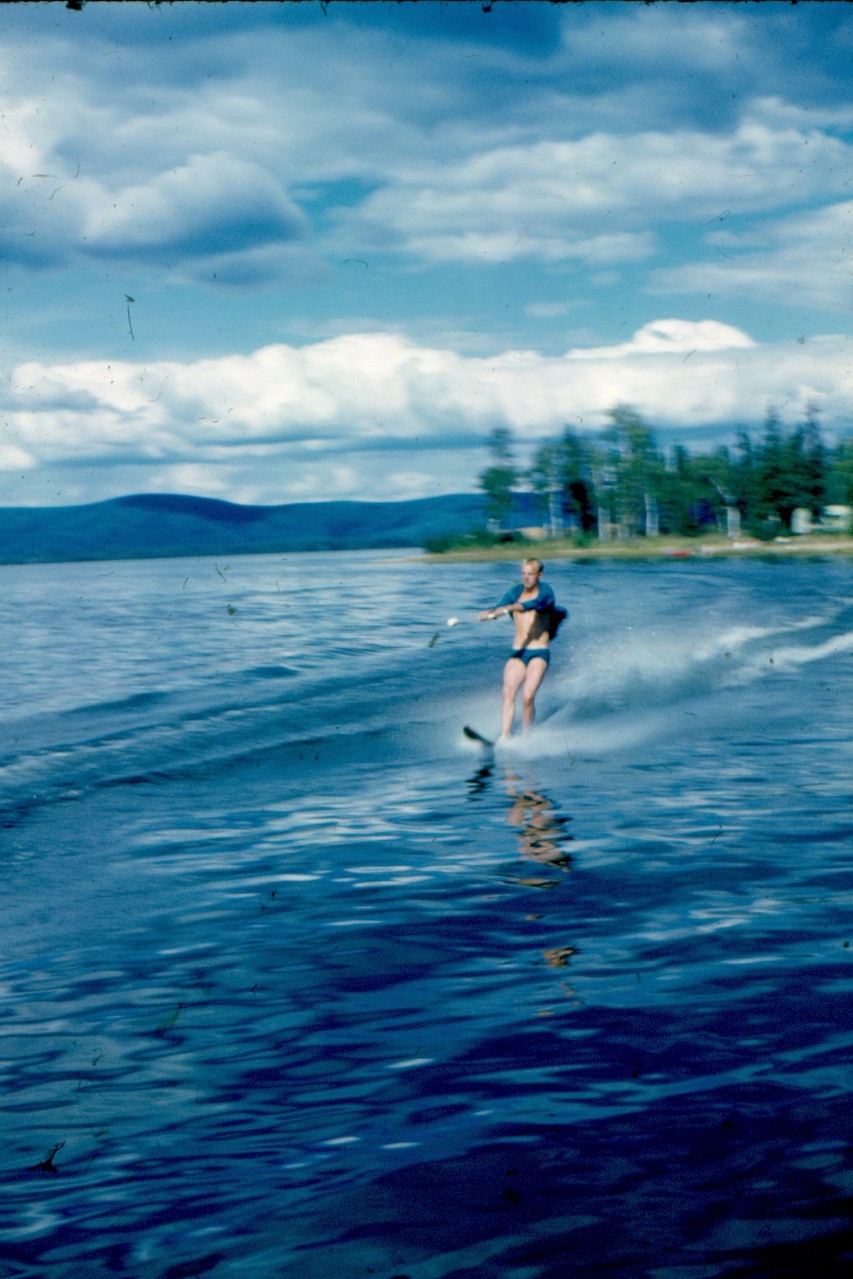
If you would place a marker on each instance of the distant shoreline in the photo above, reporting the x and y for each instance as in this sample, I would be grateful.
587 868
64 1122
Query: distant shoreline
661 548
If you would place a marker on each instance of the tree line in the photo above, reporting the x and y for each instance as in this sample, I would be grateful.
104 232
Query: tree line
620 483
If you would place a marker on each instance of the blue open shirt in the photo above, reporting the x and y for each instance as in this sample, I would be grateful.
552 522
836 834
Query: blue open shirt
543 602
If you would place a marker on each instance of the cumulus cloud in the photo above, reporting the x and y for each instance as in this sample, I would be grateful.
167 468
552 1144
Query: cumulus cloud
671 337
366 415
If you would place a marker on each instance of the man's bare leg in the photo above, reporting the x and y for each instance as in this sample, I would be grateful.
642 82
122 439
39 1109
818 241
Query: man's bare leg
514 676
534 677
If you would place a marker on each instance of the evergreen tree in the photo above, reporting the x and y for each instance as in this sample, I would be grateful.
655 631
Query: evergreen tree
498 479
577 465
543 476
562 473
744 479
839 474
813 464
639 471
690 498
621 477
778 477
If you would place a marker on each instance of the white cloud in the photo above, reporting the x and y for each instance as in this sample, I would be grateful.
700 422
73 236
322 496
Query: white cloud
218 166
212 203
546 310
582 199
802 260
376 415
671 337
651 39
776 113
14 458
674 148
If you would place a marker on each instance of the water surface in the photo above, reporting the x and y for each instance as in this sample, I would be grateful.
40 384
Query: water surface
296 980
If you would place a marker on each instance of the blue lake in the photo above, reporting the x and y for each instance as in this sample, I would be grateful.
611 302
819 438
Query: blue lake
296 980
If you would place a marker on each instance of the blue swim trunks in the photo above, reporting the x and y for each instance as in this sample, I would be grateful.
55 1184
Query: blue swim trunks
527 655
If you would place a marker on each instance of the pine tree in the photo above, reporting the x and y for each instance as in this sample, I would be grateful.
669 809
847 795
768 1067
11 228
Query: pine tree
498 479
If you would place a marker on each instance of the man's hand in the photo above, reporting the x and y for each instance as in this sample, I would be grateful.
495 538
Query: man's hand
491 614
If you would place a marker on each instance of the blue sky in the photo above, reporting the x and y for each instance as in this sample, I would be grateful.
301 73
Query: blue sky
358 236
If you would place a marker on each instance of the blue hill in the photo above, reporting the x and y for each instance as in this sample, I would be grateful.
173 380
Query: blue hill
154 524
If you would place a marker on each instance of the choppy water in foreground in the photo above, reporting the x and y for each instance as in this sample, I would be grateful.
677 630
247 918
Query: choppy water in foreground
295 981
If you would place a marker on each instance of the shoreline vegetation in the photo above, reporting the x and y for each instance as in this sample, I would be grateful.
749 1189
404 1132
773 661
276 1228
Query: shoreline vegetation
618 495
668 547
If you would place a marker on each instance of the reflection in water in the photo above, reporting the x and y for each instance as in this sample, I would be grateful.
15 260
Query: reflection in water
541 829
479 781
542 836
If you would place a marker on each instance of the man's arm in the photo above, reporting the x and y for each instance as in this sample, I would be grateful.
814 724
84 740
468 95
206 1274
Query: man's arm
504 606
510 603
540 603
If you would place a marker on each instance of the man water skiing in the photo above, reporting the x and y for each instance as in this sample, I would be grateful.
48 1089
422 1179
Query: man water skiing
536 618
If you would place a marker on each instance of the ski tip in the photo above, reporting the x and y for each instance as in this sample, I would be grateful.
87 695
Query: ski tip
474 736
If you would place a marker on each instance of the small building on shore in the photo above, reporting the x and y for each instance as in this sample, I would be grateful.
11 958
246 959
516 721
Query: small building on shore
833 519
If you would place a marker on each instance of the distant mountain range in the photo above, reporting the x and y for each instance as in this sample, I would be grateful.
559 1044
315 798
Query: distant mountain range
157 525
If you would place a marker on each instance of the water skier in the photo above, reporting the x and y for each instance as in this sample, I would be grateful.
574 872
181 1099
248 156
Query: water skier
536 617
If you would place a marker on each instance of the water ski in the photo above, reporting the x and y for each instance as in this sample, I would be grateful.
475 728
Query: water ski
477 737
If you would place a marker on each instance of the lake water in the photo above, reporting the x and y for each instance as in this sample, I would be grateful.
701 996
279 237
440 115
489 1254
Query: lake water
296 981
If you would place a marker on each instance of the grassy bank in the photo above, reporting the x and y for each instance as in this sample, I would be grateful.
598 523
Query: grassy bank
652 548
